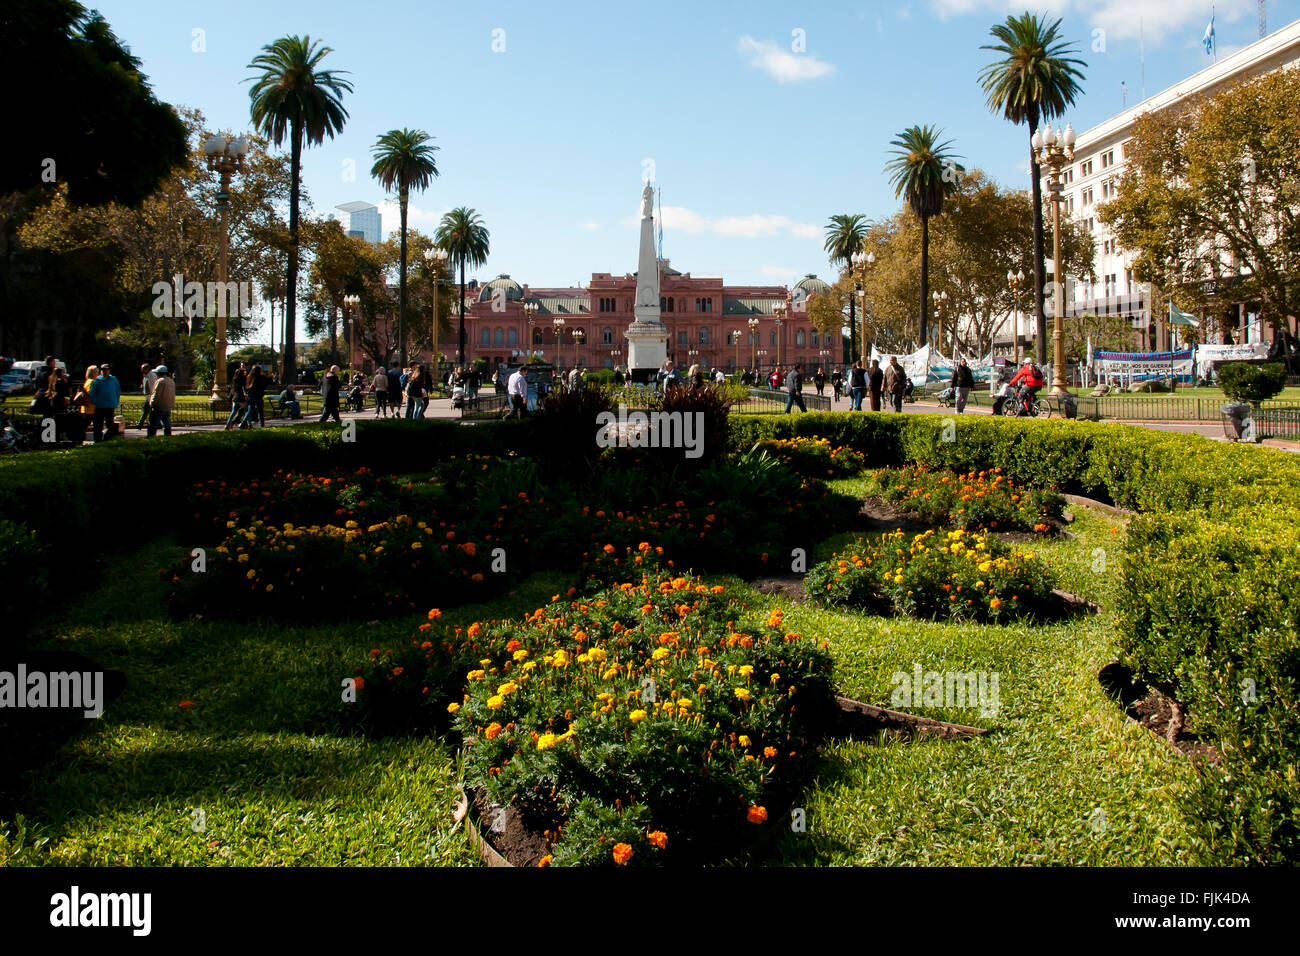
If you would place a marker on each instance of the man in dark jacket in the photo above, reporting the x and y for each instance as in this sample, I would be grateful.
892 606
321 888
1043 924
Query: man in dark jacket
395 390
875 384
329 391
962 383
857 385
794 387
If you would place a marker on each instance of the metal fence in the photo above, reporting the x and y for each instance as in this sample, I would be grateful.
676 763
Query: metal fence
765 401
485 405
1155 408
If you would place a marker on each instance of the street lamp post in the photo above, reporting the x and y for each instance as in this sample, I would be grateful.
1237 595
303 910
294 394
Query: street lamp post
780 314
862 261
1055 152
558 322
578 336
1016 281
350 302
753 338
735 334
225 156
437 259
940 312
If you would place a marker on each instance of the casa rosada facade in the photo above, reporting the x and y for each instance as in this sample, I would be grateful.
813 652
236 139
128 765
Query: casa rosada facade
708 323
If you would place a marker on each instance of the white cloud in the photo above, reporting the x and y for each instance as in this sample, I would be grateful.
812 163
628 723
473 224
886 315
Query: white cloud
1121 19
746 227
783 65
590 226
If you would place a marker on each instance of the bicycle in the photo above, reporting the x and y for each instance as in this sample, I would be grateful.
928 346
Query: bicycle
1017 407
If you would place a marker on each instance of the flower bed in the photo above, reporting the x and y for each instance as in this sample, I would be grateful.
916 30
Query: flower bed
959 576
815 457
977 499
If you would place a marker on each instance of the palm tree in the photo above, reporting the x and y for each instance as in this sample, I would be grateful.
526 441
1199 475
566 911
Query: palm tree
465 238
1034 81
404 158
292 98
845 234
924 171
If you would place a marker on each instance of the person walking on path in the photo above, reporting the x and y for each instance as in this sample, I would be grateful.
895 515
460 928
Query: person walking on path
857 386
875 384
238 395
329 390
794 389
517 390
106 393
819 381
895 383
837 384
86 405
147 378
395 390
256 398
161 401
380 385
962 383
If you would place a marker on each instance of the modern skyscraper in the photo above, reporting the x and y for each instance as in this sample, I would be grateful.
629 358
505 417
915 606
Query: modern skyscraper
361 219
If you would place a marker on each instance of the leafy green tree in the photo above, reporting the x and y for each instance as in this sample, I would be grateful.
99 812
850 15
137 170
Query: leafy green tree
925 173
292 98
404 159
1210 193
465 238
844 235
1034 80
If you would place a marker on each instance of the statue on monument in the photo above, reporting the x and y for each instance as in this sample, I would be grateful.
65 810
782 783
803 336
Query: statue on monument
648 202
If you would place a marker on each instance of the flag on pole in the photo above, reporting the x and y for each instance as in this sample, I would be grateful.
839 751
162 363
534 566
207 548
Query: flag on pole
1178 317
1209 38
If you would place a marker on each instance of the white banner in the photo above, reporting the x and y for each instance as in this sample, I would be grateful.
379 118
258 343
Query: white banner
1114 367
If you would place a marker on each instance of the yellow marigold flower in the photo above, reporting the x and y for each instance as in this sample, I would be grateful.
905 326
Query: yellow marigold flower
476 675
660 653
251 574
741 692
495 701
685 702
744 741
520 655
416 546
746 670
560 659
509 687
546 741
769 752
637 715
453 707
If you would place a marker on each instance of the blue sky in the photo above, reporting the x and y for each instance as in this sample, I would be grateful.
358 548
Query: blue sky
754 141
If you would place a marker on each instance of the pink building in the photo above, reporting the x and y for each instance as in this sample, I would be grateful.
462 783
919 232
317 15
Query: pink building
708 322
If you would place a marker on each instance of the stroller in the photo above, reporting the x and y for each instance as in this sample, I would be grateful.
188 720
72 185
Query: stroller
909 392
356 399
11 439
458 396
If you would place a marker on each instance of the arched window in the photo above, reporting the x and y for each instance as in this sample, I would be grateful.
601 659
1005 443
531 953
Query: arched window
799 339
772 337
670 303
537 336
663 304
607 336
814 338
500 337
704 335
512 337
486 338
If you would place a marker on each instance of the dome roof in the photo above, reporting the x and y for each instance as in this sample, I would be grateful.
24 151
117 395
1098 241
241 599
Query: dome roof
810 284
513 290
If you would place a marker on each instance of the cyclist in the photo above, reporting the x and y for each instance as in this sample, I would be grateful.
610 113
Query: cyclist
1030 380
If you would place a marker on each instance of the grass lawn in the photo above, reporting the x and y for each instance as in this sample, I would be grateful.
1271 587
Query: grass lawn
277 786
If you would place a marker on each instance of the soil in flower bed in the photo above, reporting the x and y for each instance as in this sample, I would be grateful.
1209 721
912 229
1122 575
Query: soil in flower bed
1154 710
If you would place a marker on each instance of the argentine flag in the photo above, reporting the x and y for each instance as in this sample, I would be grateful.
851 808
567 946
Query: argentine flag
1208 39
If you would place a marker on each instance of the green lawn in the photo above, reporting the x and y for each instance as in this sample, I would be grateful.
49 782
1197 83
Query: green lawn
278 787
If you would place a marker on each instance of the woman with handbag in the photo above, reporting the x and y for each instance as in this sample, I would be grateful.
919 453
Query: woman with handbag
82 399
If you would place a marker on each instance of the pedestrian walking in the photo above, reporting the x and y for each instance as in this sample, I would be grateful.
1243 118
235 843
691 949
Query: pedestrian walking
819 381
517 390
256 396
380 385
895 382
329 391
857 386
106 393
875 384
147 379
794 389
962 383
837 384
238 396
161 401
395 388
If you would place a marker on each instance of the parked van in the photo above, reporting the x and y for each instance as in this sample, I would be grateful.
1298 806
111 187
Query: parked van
32 368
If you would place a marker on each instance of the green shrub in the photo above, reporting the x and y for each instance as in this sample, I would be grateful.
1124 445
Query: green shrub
25 573
1247 382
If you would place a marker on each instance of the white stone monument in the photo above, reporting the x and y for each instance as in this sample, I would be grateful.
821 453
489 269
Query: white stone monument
647 336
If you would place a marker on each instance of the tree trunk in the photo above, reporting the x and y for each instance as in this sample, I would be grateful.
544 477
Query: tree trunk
1040 254
853 325
403 196
291 294
461 357
925 277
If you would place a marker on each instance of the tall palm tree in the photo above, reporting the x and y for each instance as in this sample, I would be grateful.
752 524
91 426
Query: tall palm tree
926 173
293 98
845 234
403 158
1033 81
465 238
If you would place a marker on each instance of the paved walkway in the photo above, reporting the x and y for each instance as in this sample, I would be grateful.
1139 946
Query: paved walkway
440 408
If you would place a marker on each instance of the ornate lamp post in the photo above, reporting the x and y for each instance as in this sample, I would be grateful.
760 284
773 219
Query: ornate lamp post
1056 151
350 302
1016 282
614 356
578 336
780 314
940 311
225 156
437 259
862 261
753 338
735 335
558 322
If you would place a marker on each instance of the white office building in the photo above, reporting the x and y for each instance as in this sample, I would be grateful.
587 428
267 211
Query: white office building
1093 178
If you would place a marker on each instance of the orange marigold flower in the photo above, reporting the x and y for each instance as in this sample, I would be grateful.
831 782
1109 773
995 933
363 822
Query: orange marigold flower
769 752
756 814
187 703
995 603
358 682
435 614
658 838
622 853
475 629
545 861
397 671
492 730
